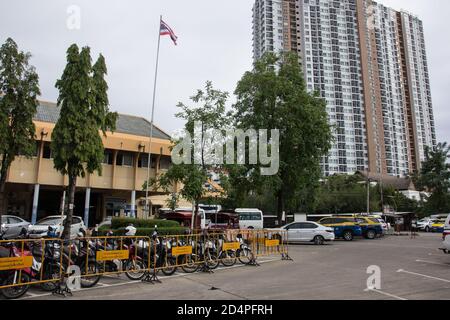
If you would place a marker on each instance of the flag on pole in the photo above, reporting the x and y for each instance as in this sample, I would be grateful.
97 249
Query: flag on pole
165 30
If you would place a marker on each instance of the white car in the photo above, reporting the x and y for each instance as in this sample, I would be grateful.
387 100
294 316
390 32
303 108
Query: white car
308 232
425 224
446 236
40 229
12 226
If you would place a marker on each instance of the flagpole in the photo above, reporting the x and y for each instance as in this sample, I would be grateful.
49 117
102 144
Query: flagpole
147 208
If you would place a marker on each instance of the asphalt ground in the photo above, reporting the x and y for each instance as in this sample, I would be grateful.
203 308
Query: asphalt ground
409 269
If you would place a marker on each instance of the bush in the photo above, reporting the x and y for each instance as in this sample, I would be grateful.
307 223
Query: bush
118 223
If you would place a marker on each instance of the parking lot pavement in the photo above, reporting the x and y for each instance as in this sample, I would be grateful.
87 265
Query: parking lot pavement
409 269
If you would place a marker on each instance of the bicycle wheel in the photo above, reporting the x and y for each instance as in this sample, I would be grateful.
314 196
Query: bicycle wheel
189 264
135 269
169 267
90 276
228 258
245 256
212 261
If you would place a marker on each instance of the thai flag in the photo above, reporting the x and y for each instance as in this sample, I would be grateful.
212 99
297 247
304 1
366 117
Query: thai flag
165 30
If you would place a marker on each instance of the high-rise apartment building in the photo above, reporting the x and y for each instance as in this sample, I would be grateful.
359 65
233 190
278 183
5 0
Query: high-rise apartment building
369 62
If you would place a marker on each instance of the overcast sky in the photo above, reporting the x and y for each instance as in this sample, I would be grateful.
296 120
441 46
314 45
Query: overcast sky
214 44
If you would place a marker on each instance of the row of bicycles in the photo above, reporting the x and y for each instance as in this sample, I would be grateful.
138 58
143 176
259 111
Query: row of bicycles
52 259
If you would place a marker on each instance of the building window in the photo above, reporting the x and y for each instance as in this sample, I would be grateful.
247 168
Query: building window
108 157
47 151
165 163
125 159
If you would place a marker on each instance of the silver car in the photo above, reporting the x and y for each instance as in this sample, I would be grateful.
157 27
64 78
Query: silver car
13 226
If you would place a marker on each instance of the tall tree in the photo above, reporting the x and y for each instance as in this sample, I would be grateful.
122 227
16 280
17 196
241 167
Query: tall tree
434 177
209 114
274 96
77 146
19 88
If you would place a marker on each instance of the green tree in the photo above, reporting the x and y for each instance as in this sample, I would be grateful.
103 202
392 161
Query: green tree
274 96
434 177
77 146
209 113
19 88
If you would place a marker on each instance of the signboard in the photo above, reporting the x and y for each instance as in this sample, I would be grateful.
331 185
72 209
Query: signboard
272 243
231 246
178 251
15 263
112 255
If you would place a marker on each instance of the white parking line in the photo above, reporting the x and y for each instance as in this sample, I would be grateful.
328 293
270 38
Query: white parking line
386 294
103 285
423 275
432 262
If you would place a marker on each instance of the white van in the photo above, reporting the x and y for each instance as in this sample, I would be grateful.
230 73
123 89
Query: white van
446 235
250 218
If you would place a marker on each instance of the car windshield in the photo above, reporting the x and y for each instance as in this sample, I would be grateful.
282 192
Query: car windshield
49 221
3 219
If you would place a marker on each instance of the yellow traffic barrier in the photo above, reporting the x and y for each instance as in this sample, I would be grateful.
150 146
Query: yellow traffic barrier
27 262
108 255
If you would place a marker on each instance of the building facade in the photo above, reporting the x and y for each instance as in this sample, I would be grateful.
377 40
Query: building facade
35 189
369 63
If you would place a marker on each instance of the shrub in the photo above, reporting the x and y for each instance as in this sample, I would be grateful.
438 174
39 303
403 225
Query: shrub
118 223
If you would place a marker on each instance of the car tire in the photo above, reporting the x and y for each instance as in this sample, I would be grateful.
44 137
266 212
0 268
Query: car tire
427 229
319 240
348 235
371 234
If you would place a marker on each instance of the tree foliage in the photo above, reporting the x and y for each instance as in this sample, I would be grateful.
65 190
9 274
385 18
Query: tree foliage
209 111
77 146
274 96
19 88
434 177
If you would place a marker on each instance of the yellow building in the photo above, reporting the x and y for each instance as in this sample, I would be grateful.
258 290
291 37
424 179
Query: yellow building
35 189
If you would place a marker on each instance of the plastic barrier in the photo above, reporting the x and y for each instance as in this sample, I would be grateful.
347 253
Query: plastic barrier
29 262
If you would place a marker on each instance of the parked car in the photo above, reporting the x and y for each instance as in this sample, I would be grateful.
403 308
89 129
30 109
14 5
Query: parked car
13 226
105 223
446 236
345 228
250 218
371 227
40 229
308 232
425 224
438 226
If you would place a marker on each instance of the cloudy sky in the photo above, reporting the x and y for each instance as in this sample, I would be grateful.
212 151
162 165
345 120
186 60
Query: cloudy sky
214 44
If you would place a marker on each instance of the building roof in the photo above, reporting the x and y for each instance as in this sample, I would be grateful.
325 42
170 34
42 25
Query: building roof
49 112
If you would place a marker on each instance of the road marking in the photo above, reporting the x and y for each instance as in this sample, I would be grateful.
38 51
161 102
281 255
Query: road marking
423 275
431 262
32 294
103 285
385 293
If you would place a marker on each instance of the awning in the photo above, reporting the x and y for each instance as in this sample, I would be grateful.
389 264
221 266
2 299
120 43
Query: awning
161 201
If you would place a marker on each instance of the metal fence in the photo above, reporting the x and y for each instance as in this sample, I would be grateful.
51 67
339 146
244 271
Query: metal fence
51 262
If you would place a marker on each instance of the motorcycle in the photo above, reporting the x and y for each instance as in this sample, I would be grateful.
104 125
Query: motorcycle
11 277
244 253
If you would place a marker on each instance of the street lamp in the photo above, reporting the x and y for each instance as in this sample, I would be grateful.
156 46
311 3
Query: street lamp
368 181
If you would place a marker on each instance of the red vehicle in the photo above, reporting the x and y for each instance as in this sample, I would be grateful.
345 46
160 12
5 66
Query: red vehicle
224 220
184 218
